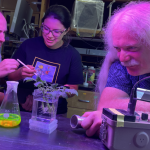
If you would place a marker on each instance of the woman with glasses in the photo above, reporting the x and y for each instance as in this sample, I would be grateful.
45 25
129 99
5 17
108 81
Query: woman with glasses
50 54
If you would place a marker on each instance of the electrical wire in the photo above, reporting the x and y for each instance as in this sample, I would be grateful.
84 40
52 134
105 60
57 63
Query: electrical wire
26 29
25 25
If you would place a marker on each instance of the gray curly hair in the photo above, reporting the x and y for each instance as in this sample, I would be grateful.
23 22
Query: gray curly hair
133 17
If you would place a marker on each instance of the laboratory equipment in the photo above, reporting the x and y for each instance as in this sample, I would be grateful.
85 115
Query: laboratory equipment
44 112
127 130
9 110
87 17
75 121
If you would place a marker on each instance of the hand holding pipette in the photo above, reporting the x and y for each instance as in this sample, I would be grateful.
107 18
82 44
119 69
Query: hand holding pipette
8 66
29 72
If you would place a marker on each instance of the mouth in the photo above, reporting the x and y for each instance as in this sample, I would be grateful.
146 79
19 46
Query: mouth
132 67
50 41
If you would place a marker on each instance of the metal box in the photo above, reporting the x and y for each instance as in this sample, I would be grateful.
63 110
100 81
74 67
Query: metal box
118 134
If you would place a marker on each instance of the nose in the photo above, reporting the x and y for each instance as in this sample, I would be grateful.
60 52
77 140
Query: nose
50 34
2 37
123 56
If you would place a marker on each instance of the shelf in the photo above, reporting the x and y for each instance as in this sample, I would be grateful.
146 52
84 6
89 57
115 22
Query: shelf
87 39
83 30
92 56
96 63
118 0
91 52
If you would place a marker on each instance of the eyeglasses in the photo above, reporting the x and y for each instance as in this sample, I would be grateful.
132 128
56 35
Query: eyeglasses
56 33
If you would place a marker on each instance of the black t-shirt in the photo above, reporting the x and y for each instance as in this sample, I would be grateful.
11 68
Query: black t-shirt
62 66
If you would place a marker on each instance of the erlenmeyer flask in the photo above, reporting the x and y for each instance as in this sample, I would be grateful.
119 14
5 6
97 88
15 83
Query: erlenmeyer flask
9 110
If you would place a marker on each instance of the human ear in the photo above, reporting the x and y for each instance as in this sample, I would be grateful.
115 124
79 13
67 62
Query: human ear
67 30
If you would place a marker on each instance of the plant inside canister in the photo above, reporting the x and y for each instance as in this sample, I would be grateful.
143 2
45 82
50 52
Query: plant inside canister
45 101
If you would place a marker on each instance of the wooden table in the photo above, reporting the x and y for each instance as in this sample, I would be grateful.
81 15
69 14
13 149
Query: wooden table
63 138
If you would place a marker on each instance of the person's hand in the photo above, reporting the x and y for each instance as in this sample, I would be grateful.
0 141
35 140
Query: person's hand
28 104
7 66
1 97
69 94
25 72
92 122
71 86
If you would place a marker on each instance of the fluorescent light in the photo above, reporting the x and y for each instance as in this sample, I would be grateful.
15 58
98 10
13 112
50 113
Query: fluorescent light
36 3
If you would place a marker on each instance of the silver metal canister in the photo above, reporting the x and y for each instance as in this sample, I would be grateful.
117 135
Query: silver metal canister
75 121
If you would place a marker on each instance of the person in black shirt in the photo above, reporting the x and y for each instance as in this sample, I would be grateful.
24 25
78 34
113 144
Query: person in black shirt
51 53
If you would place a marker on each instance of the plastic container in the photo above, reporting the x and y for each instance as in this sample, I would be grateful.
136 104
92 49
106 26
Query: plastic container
91 75
43 117
88 15
42 126
85 69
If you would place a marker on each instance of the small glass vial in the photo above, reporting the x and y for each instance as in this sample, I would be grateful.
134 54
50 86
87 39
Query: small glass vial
85 69
91 75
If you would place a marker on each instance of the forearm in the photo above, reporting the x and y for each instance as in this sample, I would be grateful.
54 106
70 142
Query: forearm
113 103
72 86
1 97
123 104
15 76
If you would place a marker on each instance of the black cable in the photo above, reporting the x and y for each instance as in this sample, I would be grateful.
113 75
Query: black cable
132 102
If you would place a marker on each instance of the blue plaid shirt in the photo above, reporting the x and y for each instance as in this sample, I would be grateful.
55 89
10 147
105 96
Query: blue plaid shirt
119 78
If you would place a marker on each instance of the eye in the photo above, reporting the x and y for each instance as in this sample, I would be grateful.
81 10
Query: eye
132 48
117 48
56 31
4 32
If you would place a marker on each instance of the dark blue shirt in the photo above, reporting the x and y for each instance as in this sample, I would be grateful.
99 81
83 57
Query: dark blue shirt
62 66
119 78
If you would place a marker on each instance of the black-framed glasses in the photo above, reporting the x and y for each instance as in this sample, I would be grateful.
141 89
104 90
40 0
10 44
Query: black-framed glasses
56 32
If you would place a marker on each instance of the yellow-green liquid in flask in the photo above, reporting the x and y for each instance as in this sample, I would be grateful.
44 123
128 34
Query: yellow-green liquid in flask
9 120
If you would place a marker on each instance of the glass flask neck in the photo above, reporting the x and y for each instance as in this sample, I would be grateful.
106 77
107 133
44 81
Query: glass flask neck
12 85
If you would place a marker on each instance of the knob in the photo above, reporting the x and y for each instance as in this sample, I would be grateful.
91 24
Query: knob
144 116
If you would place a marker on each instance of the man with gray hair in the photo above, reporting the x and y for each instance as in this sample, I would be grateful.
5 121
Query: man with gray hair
7 65
127 39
